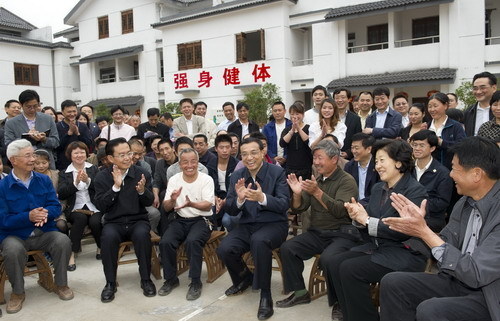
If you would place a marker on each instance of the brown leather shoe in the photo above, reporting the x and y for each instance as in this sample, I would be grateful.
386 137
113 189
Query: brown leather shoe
15 303
64 293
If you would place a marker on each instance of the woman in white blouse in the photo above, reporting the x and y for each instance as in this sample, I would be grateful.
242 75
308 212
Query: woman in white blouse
329 123
77 188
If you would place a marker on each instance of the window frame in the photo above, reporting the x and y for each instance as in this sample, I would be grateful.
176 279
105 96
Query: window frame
189 55
103 27
425 26
127 21
241 46
382 39
26 74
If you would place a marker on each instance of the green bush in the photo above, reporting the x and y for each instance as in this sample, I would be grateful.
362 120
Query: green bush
260 101
465 95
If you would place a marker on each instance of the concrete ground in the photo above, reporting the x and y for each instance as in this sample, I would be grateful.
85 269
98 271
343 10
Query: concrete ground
130 304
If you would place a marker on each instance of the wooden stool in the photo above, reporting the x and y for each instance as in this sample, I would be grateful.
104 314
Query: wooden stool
215 267
247 258
155 262
41 267
317 280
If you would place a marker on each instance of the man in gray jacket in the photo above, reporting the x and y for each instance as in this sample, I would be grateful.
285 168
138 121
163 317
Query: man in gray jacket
467 286
38 128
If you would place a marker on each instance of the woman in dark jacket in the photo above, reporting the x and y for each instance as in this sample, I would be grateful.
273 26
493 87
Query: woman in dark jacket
76 186
448 130
296 141
351 273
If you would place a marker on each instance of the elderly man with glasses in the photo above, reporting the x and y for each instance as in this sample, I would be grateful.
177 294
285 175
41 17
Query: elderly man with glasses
28 208
123 191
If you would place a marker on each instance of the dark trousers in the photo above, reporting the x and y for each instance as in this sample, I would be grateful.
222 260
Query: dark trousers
195 234
302 247
350 274
78 222
258 238
113 234
406 296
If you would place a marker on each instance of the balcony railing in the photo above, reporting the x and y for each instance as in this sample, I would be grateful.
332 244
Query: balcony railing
302 62
492 41
368 47
416 41
127 78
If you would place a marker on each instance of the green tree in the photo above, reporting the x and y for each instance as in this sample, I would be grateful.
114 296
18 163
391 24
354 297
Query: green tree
172 108
260 100
101 110
465 95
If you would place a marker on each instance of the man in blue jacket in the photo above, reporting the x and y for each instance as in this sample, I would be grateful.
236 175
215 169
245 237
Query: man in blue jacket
260 192
28 208
273 130
384 122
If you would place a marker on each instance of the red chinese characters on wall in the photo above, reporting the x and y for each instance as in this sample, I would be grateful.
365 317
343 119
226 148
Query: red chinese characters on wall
231 76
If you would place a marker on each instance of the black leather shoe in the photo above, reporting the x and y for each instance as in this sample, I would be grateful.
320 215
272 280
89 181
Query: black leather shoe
265 309
240 287
337 313
148 288
71 267
108 293
168 286
194 291
294 300
98 256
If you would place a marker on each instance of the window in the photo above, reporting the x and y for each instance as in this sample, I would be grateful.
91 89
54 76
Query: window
107 75
351 42
425 28
103 27
127 21
189 55
250 46
26 74
379 36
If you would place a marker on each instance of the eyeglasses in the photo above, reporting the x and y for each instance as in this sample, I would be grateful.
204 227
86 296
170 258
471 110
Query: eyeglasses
27 156
480 88
122 156
32 106
253 153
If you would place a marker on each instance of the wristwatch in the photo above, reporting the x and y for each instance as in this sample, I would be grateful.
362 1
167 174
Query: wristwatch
367 221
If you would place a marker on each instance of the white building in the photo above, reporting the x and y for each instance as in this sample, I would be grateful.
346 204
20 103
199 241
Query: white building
140 53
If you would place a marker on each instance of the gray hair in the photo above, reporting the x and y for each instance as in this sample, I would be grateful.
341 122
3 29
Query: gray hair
188 150
15 147
330 147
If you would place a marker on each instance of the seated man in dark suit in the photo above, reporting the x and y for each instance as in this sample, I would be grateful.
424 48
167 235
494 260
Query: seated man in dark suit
123 191
362 167
384 122
467 286
260 192
434 176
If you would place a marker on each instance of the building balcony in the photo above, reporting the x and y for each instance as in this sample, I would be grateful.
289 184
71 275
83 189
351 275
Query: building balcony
117 89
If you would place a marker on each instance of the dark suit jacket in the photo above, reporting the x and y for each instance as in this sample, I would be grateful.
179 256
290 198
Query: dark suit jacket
126 205
372 177
235 127
439 185
387 247
161 129
392 125
272 180
353 123
452 133
470 119
67 191
214 173
64 140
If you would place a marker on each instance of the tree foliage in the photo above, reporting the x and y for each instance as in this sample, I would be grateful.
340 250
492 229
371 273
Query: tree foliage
465 95
260 101
172 108
101 110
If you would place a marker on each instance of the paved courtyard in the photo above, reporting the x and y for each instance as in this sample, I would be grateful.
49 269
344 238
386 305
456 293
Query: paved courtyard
130 304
